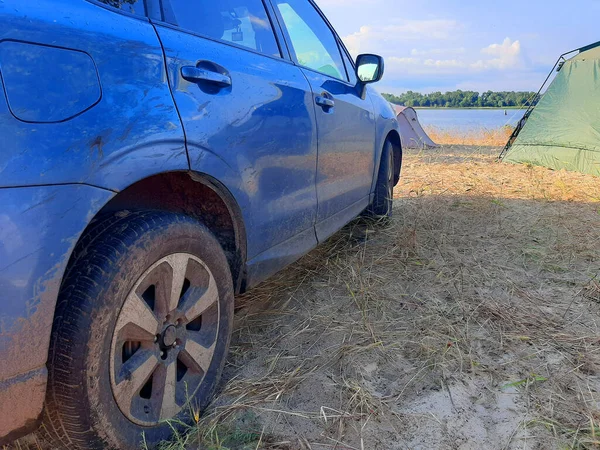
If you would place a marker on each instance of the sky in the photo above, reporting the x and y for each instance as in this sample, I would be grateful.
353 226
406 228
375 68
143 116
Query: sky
444 45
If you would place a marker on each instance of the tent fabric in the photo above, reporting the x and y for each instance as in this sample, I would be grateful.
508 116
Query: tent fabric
563 130
412 133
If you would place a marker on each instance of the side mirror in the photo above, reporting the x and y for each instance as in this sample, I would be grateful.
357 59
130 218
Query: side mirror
369 68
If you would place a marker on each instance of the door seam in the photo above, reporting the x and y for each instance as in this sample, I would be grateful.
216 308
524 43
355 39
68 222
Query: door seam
171 87
314 106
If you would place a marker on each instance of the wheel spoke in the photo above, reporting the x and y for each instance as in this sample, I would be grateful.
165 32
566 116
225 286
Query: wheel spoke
178 263
169 407
135 311
198 300
196 356
134 374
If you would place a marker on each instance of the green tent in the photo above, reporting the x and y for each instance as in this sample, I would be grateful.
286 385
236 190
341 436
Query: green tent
563 130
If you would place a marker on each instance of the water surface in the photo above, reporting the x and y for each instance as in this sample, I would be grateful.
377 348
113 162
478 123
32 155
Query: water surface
468 119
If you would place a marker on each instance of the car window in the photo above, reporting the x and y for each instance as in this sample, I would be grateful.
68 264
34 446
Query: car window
132 6
350 68
242 22
313 42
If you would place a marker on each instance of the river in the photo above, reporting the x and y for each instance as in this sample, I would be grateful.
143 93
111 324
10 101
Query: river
468 119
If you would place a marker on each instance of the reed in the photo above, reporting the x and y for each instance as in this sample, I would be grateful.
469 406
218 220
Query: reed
478 137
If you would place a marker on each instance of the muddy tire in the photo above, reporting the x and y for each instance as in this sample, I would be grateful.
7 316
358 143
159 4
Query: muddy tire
141 332
382 205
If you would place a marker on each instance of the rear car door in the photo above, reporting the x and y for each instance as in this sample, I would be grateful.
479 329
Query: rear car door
345 117
241 100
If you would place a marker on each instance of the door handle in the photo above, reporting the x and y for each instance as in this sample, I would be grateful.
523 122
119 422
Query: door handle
325 102
197 75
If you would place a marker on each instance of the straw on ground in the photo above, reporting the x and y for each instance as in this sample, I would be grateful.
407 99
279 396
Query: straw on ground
469 321
480 137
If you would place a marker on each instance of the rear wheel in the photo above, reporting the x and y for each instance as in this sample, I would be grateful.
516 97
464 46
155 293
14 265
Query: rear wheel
141 332
384 189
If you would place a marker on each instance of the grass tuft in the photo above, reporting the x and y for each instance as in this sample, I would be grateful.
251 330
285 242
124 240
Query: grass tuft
479 137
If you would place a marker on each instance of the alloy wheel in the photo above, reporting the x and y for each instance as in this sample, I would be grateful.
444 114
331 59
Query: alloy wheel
164 340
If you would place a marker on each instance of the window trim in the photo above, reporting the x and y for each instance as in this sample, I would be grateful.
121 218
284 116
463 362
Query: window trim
168 20
279 31
103 5
345 51
293 52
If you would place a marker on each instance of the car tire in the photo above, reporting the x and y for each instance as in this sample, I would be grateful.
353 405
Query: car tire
382 205
122 283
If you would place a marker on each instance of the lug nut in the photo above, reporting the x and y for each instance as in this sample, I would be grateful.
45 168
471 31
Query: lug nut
155 338
162 354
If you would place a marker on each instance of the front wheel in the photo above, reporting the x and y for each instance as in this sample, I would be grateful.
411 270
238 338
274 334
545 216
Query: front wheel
382 205
141 332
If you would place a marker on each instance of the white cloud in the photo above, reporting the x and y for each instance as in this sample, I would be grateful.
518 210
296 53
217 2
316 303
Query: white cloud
443 63
389 38
413 66
404 62
407 60
504 56
508 47
438 51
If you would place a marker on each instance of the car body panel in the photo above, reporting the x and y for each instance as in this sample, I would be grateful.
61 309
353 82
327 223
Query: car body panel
39 227
60 83
248 126
329 226
21 403
385 123
271 261
346 146
131 133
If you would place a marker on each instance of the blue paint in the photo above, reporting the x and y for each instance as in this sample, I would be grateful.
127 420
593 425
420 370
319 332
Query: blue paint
133 132
94 100
262 127
60 83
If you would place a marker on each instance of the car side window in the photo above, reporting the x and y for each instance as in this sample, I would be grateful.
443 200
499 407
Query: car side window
136 7
349 68
312 40
242 22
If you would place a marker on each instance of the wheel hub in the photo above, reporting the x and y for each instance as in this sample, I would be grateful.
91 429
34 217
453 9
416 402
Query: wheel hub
168 337
164 339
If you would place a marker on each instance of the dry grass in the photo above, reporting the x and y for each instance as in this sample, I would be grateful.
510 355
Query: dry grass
481 137
469 321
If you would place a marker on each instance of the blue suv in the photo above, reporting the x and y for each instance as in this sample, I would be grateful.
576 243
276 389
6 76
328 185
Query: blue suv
159 157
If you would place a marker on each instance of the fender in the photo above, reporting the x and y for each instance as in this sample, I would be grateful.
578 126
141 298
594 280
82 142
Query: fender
39 228
386 122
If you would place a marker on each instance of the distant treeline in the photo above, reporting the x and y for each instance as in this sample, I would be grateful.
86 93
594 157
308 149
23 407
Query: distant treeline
464 99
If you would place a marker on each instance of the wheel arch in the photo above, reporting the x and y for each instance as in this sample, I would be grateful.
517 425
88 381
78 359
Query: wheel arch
198 195
394 137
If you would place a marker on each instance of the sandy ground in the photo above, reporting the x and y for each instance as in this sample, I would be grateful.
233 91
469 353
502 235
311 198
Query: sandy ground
471 321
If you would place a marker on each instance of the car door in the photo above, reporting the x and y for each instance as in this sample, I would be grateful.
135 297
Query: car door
242 102
345 118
